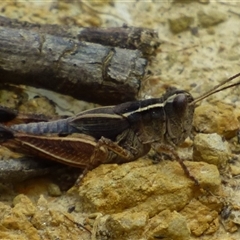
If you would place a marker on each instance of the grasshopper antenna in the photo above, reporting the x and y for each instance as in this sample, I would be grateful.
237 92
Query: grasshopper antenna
217 88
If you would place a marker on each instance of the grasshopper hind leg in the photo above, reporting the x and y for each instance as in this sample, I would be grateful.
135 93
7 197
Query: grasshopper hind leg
169 150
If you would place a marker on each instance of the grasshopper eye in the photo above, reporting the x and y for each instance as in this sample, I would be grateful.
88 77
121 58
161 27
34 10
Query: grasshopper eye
180 103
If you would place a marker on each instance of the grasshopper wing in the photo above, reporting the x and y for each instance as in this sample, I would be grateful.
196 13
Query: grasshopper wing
100 122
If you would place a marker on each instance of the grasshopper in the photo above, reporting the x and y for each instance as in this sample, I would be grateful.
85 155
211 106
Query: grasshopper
111 134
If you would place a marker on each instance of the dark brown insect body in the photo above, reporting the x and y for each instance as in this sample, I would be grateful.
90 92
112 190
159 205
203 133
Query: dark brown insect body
120 133
113 134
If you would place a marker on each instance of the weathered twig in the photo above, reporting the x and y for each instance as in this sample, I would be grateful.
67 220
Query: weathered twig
14 170
83 70
144 39
20 169
55 57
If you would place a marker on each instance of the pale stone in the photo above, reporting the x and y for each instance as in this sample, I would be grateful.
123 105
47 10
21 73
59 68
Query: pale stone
200 218
180 24
211 148
143 186
207 175
16 219
230 219
126 225
54 190
28 221
210 18
169 225
217 118
24 205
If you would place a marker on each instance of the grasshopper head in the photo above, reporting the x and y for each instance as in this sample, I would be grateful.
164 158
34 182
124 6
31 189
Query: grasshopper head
179 113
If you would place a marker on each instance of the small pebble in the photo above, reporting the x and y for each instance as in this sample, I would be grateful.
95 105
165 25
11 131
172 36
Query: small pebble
211 148
54 190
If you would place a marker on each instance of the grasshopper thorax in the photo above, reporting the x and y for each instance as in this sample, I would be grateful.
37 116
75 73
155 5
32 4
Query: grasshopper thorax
179 113
166 120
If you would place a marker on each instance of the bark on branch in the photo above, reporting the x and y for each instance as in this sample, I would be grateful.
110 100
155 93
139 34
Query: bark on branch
53 57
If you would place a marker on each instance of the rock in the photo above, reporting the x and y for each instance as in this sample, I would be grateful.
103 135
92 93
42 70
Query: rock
195 218
15 222
141 200
22 204
126 186
228 219
169 225
200 218
207 175
143 186
126 225
234 168
42 216
54 190
26 220
211 18
211 148
219 118
11 97
180 24
40 105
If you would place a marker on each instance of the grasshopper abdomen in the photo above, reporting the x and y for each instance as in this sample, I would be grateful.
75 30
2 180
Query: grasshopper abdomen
41 128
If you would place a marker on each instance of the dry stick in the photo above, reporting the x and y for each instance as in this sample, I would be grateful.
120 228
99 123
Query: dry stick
54 57
83 70
19 169
144 39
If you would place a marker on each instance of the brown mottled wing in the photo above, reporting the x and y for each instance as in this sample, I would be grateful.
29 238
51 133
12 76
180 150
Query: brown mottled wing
75 150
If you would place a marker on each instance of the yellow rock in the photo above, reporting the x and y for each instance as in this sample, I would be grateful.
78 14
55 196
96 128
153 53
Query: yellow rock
169 225
211 148
219 118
